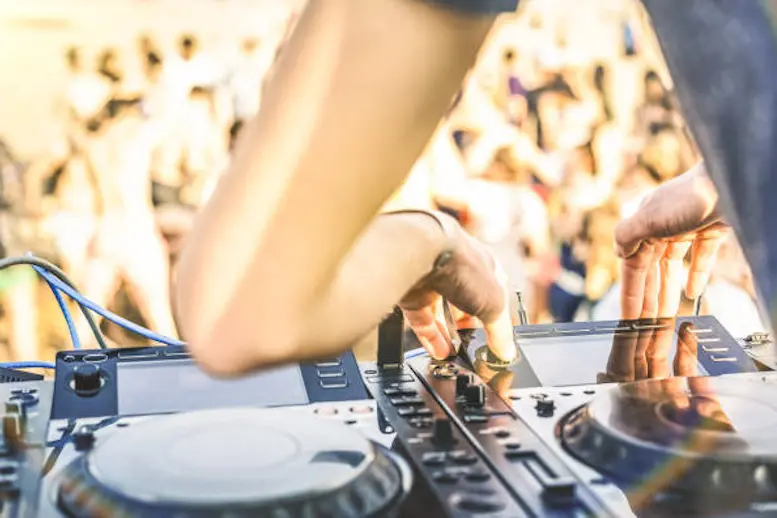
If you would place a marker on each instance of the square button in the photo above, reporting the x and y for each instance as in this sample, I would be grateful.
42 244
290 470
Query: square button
330 373
328 363
333 383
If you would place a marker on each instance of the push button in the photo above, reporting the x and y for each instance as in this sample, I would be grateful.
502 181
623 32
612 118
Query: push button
328 363
361 410
478 475
423 411
433 458
407 401
477 503
475 418
406 411
462 457
326 411
420 422
330 373
445 477
333 383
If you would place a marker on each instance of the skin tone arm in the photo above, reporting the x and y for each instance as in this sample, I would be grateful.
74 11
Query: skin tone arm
360 88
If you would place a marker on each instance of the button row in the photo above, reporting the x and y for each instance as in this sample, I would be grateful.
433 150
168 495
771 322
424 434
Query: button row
331 374
454 474
440 458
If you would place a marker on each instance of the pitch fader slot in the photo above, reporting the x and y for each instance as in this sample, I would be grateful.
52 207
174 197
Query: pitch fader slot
451 468
532 472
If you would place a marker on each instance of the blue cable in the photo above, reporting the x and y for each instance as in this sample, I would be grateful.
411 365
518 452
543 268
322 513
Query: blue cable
28 365
71 327
116 319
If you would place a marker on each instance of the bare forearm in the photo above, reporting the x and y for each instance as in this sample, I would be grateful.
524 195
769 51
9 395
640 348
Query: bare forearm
348 111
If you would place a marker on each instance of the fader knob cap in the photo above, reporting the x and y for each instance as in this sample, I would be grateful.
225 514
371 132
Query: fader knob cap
87 379
545 407
442 434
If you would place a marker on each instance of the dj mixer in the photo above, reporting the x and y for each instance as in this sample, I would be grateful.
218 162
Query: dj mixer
614 419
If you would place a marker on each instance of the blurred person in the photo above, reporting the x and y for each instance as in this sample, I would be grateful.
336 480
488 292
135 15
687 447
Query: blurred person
511 94
127 245
150 54
109 67
85 93
298 183
509 217
658 108
663 153
567 291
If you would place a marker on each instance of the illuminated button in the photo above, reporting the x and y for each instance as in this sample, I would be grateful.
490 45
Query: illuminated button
333 383
708 339
361 410
329 363
724 359
424 411
475 418
699 330
330 373
327 411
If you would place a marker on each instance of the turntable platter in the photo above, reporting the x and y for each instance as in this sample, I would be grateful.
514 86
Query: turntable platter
236 462
708 436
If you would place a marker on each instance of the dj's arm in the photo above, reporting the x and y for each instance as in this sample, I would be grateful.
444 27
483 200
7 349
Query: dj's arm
271 263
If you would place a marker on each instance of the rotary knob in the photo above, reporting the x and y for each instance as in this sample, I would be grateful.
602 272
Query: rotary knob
545 407
87 379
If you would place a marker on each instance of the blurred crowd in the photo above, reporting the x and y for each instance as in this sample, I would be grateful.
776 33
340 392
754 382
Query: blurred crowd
543 151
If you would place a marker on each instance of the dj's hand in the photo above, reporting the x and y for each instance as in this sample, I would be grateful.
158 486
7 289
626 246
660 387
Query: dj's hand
645 354
472 281
653 242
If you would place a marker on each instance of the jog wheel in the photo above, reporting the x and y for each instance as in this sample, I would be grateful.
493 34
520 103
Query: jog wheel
236 463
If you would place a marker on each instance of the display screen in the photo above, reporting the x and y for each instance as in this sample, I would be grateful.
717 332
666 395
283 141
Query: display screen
589 359
147 387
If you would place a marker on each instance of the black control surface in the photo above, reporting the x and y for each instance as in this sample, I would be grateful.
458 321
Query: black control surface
470 449
160 380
